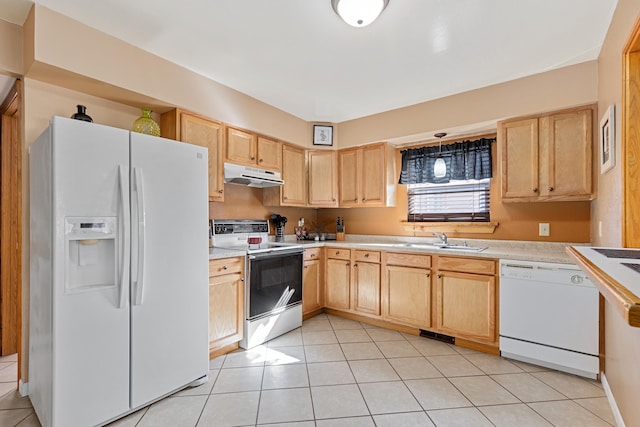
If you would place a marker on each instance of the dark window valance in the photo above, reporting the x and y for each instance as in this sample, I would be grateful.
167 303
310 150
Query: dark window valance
465 160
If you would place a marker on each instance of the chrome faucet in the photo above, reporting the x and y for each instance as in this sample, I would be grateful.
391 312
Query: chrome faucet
442 237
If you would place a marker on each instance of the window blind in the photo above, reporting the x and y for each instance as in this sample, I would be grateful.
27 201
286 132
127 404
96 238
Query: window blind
467 201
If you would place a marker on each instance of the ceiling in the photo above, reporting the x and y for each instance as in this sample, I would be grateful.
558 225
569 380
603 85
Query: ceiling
298 56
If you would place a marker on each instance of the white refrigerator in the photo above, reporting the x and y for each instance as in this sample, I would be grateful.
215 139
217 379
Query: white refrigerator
118 271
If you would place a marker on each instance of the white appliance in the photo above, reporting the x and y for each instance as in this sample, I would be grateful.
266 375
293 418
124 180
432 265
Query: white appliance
251 177
273 279
549 316
118 271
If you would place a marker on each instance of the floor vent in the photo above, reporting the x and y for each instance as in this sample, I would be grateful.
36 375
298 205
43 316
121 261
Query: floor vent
436 336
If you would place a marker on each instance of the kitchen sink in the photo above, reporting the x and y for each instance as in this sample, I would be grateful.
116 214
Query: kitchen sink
431 246
445 246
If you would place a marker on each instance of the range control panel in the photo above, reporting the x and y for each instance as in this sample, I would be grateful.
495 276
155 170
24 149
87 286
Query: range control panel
239 226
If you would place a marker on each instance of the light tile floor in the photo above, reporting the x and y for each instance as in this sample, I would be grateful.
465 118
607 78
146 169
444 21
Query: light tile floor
337 372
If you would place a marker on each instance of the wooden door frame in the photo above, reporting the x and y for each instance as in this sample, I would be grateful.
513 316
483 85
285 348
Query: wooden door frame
630 153
11 276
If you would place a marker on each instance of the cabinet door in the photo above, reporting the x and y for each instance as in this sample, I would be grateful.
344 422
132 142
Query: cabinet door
226 302
311 286
269 154
366 288
349 179
323 174
519 162
294 174
241 147
408 296
336 291
373 175
570 147
206 133
466 305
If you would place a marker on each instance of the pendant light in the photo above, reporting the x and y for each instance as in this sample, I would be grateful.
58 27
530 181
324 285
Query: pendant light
359 13
440 167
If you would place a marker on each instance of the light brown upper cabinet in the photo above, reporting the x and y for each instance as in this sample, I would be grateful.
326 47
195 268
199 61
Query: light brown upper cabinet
194 129
323 178
367 176
246 148
294 175
548 157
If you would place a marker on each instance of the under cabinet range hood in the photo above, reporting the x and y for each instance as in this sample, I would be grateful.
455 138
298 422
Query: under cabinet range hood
251 177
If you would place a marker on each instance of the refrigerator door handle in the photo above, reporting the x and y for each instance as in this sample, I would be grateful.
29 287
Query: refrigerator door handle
125 238
139 182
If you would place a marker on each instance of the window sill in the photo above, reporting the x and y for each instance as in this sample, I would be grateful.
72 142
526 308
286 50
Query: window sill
450 227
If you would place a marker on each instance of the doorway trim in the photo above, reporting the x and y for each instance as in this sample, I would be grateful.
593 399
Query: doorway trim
11 221
631 140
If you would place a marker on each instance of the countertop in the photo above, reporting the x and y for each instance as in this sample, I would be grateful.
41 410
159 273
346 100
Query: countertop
619 284
495 249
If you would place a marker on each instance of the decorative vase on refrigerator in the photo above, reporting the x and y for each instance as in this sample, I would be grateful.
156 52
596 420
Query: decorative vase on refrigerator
118 271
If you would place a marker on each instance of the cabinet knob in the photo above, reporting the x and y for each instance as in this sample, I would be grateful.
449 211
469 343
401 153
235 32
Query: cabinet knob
333 200
355 265
355 200
220 191
439 276
285 197
313 255
260 160
428 275
306 266
224 267
535 190
550 189
364 200
253 158
347 264
337 252
366 255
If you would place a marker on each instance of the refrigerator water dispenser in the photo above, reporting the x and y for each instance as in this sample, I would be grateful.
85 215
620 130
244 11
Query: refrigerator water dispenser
90 247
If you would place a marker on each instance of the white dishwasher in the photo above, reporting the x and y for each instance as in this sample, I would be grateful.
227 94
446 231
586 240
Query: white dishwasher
549 316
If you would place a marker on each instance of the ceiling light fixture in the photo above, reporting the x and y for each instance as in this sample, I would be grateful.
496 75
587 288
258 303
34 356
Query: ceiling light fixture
440 167
359 13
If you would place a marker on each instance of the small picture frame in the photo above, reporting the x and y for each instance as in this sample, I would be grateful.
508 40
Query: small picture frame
607 140
322 135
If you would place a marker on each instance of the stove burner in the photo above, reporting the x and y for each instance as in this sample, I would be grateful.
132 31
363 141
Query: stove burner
634 267
619 253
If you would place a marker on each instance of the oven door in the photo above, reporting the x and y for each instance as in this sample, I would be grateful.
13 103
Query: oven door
275 282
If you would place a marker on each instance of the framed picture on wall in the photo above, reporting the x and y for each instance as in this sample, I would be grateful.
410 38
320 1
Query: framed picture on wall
322 135
607 140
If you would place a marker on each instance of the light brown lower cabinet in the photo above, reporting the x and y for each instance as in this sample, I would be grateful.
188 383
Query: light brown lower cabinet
366 283
466 301
353 281
312 289
407 290
337 290
226 304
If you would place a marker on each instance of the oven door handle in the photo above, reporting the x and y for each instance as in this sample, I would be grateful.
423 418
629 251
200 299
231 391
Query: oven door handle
276 253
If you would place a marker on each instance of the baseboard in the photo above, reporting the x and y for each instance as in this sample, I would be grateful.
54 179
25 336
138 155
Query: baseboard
612 401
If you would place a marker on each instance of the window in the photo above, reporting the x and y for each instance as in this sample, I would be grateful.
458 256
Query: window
456 201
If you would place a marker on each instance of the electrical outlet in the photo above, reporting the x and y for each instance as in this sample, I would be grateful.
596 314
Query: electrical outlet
599 228
543 229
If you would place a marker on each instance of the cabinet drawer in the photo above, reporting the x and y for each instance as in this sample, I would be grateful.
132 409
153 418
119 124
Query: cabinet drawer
334 253
409 260
311 254
368 256
469 265
219 267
